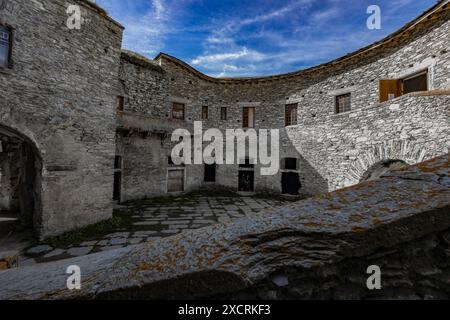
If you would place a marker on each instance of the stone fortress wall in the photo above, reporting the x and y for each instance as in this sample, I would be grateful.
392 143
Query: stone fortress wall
333 150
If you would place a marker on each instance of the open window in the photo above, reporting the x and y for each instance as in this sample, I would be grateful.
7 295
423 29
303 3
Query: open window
205 113
394 88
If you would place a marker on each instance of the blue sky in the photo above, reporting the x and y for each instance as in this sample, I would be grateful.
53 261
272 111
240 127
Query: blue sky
228 38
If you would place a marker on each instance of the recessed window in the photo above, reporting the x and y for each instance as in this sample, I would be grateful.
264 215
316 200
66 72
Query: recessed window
223 113
248 117
178 111
5 47
205 113
291 115
416 83
290 164
343 103
120 103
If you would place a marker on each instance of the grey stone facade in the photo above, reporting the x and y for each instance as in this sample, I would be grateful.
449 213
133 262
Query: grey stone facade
58 97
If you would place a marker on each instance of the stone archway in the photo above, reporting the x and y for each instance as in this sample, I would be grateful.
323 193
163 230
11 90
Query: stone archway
20 182
387 152
381 168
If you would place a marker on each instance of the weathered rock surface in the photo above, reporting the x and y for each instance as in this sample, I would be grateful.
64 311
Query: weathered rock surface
393 221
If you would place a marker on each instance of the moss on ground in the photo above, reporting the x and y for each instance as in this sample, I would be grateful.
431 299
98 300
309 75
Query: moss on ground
119 221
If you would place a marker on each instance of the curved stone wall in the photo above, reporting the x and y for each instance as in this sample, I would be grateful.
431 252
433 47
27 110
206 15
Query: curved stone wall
333 149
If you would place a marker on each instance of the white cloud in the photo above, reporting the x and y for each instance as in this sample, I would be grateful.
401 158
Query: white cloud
243 54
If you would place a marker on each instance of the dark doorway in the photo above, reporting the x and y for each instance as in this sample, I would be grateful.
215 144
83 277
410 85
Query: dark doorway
290 183
210 173
246 181
20 182
117 193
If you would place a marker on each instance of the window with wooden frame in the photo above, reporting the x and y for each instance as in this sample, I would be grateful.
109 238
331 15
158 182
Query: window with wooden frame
394 88
343 103
205 113
248 117
416 83
120 103
178 111
5 47
291 114
223 113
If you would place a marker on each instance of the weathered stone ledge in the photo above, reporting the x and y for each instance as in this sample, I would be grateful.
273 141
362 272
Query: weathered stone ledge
325 231
144 123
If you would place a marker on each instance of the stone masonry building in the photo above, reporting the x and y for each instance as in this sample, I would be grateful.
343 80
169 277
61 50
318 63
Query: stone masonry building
83 122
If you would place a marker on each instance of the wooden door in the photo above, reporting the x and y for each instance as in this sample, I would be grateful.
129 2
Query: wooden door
175 180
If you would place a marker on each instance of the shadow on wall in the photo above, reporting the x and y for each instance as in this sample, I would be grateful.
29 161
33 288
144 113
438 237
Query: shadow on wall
312 182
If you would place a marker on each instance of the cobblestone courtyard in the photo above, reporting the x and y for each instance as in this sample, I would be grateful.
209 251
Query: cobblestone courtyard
154 219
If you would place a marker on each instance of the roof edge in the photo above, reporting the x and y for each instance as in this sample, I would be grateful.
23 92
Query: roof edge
102 12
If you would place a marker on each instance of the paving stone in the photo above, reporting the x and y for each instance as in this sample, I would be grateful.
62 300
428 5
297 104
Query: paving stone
171 227
102 242
143 233
175 222
79 251
153 238
170 231
26 262
118 234
135 240
107 248
89 243
39 249
117 241
146 223
204 221
54 253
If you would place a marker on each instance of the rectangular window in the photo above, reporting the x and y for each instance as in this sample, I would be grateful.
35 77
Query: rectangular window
5 47
291 115
290 164
204 113
248 117
223 113
178 111
343 103
120 103
416 83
